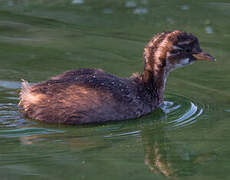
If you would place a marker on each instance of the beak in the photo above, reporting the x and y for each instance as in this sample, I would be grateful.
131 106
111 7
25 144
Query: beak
203 56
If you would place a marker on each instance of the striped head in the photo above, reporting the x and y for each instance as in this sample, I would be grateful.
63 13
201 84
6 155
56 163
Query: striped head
172 50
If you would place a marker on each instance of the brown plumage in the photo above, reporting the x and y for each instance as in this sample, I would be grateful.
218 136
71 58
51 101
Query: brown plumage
94 96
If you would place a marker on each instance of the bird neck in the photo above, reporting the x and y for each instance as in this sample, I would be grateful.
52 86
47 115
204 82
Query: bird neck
155 83
155 71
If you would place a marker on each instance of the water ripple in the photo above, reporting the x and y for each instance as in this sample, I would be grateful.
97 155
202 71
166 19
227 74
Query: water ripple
178 112
181 111
24 132
11 122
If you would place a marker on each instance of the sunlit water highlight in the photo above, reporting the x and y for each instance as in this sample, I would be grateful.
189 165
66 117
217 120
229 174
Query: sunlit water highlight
186 111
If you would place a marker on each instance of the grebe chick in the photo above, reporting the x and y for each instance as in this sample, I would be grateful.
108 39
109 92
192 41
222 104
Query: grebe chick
94 96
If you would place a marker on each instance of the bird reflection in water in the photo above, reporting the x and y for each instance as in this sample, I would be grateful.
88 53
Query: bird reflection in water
167 157
163 155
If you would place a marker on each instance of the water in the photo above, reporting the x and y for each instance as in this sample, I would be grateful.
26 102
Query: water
188 138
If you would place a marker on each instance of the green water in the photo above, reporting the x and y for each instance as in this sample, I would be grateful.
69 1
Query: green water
187 139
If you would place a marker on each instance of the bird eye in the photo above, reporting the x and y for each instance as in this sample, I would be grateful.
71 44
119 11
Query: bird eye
187 50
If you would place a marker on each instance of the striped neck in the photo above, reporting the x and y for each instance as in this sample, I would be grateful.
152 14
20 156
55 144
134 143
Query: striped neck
155 83
155 71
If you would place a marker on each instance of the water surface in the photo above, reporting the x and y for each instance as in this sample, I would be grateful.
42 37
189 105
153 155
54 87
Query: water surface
188 138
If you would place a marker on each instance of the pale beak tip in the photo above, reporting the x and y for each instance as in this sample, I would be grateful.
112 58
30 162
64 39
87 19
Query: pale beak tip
204 56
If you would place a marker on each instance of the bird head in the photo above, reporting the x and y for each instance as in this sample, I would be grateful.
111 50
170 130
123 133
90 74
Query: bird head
172 50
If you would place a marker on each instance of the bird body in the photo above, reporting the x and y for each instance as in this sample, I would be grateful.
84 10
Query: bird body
94 96
86 95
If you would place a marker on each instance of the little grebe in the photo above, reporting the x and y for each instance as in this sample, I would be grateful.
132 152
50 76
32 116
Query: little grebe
94 96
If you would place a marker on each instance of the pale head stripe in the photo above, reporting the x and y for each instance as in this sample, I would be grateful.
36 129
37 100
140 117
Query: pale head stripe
184 42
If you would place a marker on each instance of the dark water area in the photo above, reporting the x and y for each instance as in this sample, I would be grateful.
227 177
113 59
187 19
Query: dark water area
187 138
